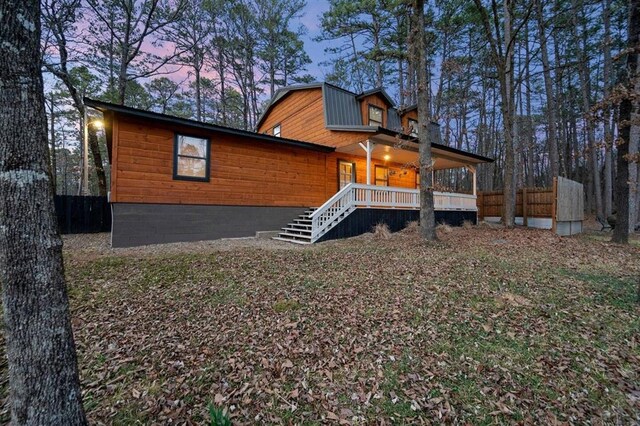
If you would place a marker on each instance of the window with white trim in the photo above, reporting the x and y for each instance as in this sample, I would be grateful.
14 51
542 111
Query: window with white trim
413 127
375 116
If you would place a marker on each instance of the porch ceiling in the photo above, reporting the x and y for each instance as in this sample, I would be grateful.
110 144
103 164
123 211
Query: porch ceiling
389 148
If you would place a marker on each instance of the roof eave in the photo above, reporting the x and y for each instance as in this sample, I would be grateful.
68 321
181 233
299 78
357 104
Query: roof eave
167 119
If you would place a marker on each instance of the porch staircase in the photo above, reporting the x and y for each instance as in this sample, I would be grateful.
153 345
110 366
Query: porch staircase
298 231
315 222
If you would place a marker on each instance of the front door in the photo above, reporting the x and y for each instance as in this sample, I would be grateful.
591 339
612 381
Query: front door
382 176
346 173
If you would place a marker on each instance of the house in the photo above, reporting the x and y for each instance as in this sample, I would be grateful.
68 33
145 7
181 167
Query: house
324 163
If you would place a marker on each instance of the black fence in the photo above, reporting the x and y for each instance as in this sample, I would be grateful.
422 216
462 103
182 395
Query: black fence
80 214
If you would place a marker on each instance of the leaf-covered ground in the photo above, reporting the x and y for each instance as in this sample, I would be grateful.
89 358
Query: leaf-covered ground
487 326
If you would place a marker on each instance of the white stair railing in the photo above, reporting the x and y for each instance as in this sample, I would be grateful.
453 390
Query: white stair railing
355 195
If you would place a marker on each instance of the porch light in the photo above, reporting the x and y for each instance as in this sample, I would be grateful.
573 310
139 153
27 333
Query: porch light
387 157
98 124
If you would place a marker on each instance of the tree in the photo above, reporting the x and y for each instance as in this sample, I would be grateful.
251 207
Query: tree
59 22
419 59
162 90
121 30
191 33
552 120
502 51
43 373
280 50
363 26
629 116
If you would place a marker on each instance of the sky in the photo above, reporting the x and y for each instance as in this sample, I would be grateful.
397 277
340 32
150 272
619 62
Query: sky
311 20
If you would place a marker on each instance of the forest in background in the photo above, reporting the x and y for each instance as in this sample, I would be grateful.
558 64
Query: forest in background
551 72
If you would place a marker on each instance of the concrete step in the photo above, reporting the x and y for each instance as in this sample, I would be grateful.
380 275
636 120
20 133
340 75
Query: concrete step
292 235
288 240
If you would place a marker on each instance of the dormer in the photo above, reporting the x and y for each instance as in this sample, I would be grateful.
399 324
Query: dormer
375 105
409 120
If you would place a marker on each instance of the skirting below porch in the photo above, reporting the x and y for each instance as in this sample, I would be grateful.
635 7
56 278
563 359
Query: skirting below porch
362 220
140 224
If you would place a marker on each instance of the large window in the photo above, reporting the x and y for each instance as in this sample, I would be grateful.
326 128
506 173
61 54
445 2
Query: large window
413 127
191 158
375 116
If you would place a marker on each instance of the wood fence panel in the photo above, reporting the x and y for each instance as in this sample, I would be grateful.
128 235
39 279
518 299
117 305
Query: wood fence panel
539 203
570 201
82 214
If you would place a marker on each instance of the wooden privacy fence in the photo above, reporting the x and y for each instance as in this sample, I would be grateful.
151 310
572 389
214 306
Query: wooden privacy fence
82 214
560 207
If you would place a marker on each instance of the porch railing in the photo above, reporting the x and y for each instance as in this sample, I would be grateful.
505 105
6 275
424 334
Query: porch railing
356 195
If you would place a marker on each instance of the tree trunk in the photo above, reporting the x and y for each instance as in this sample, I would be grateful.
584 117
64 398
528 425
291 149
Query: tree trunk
52 151
594 194
608 129
198 93
97 161
628 109
43 374
419 56
506 79
551 104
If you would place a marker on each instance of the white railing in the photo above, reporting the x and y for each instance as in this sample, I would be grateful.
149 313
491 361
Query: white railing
356 195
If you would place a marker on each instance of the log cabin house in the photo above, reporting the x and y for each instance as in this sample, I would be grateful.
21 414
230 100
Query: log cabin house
324 163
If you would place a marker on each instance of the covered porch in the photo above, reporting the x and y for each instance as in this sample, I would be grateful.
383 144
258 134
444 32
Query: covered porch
390 193
388 153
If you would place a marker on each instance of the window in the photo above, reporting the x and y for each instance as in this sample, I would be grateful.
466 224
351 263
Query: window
417 179
413 127
346 173
382 176
375 116
276 130
191 158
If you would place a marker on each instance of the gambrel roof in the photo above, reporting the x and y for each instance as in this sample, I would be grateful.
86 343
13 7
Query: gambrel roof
341 107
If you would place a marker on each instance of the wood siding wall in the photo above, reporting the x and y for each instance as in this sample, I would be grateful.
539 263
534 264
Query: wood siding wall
374 100
404 119
399 176
301 117
244 171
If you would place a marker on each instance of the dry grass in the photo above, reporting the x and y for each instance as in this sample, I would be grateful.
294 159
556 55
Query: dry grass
486 326
412 227
381 231
467 224
443 228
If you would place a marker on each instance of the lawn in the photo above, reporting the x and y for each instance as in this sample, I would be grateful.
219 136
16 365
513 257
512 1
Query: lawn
486 326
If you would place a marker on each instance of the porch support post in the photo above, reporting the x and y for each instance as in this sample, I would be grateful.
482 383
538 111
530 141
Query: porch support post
368 148
472 169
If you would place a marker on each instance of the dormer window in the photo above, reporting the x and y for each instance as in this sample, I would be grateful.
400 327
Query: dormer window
276 130
413 127
375 116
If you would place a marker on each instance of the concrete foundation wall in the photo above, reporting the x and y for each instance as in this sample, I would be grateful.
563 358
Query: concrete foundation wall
141 224
532 222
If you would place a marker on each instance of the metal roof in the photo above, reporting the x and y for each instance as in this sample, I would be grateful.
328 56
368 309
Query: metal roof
377 90
341 108
393 119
